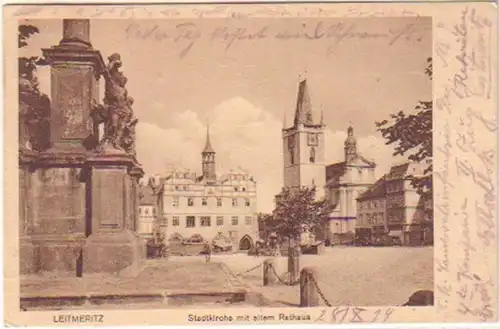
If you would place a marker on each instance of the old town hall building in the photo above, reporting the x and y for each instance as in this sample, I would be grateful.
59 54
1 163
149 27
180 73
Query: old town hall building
305 165
208 206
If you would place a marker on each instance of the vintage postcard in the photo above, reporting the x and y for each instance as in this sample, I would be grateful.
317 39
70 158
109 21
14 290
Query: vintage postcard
250 163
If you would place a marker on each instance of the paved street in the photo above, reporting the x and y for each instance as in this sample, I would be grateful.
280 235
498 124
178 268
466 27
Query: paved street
350 276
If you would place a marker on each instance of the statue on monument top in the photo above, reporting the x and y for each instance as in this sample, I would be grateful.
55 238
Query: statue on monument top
116 113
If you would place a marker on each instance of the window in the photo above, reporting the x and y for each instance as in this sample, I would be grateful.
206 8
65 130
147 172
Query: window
190 202
235 202
140 210
175 201
163 221
204 201
248 220
185 187
177 188
146 211
205 221
312 155
190 221
219 202
247 202
236 189
234 220
220 220
154 211
175 221
243 189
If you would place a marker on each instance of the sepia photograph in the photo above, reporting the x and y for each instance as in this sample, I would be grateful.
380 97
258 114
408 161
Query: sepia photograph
183 163
250 164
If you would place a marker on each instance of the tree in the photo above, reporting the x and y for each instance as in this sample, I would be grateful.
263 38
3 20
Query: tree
297 212
28 65
263 221
34 106
412 136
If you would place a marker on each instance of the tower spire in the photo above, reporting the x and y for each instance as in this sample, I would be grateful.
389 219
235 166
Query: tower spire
321 121
208 159
303 110
208 146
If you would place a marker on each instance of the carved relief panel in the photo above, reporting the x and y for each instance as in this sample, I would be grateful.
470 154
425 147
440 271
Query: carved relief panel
72 94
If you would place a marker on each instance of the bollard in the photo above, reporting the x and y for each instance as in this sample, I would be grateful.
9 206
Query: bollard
269 278
308 292
293 262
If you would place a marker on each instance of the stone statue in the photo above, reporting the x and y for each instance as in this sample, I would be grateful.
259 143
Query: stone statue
116 113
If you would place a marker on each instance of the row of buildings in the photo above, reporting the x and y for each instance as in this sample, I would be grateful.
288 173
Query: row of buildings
185 205
389 205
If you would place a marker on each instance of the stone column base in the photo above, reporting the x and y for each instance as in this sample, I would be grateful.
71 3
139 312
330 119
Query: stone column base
121 253
26 256
58 255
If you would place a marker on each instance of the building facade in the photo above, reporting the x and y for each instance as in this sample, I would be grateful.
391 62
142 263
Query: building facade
346 180
150 212
392 205
371 211
211 206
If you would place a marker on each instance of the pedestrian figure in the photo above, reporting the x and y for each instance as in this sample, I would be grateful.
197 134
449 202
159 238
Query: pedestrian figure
208 251
257 249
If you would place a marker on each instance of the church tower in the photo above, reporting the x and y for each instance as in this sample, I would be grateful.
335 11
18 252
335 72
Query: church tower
304 146
208 160
350 146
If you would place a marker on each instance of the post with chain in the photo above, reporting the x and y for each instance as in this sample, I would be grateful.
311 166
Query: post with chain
293 262
308 293
269 278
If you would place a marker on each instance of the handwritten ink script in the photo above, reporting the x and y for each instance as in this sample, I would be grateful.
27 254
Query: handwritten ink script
469 161
338 315
187 34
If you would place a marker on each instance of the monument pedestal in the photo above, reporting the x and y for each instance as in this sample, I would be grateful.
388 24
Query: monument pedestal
115 253
113 246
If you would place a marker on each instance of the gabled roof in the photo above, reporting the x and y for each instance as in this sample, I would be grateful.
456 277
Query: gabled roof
404 170
377 190
360 160
335 170
146 196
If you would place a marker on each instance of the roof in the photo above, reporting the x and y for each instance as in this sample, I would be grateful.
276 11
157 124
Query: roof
403 171
146 196
335 170
303 110
208 146
377 190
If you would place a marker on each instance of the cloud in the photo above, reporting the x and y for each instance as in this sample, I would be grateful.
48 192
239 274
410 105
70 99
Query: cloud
243 135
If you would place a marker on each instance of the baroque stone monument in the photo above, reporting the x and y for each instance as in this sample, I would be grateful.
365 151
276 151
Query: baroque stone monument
79 190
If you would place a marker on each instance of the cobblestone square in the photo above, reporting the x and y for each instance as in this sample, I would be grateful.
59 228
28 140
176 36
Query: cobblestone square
365 276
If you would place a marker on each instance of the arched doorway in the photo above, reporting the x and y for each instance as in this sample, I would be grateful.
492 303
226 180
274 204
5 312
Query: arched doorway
246 243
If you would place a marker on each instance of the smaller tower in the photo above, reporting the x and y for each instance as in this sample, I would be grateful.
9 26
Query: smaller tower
350 146
208 160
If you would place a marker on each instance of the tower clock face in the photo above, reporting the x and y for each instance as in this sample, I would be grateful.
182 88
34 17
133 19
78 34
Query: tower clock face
312 139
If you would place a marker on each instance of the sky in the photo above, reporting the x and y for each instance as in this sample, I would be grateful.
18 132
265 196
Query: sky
241 77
